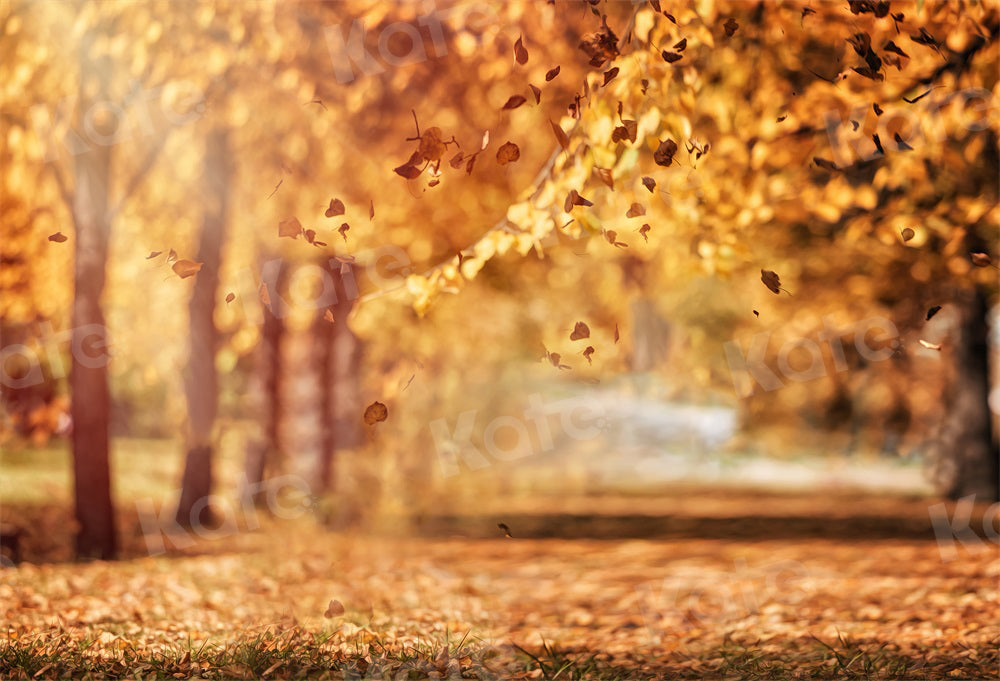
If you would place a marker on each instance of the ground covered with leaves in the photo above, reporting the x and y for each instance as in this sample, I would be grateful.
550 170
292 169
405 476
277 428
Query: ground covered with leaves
602 588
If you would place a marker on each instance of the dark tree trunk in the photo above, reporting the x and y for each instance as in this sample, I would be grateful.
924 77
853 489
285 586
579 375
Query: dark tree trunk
338 357
264 451
90 405
971 462
201 382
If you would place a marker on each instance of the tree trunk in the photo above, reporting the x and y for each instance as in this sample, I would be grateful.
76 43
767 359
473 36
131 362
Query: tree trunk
262 452
90 406
338 354
971 462
201 382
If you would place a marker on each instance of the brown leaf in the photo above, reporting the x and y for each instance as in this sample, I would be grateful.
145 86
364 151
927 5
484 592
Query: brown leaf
456 160
574 199
560 135
520 52
635 210
343 231
432 145
58 237
730 27
605 176
551 73
907 234
877 109
514 102
626 131
186 268
771 281
610 74
290 227
375 413
508 153
824 164
981 259
933 311
588 352
600 46
335 609
328 316
581 330
506 530
644 230
617 335
172 255
408 171
671 57
371 210
681 45
336 208
664 154
649 183
536 92
230 297
153 254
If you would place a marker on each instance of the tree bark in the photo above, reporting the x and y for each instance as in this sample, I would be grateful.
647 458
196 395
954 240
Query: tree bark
971 461
201 382
267 391
90 405
338 353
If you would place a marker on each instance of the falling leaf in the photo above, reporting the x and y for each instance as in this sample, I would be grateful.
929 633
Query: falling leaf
153 254
371 210
878 110
506 530
644 230
290 227
626 131
514 102
342 230
756 314
555 359
878 144
892 47
771 281
610 74
432 145
536 92
336 208
375 413
410 172
508 153
917 99
933 311
981 259
616 333
186 268
824 164
681 45
172 255
551 73
649 183
930 346
635 210
664 154
588 352
560 135
328 316
612 238
671 57
574 199
901 143
781 118
580 330
457 160
520 52
605 176
730 27
600 46
230 297
58 237
335 609
907 234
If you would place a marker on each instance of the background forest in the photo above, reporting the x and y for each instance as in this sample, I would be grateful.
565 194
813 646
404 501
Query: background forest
635 283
